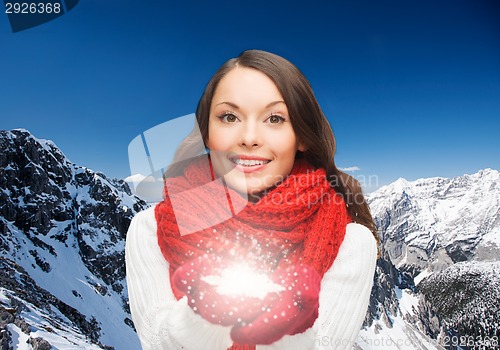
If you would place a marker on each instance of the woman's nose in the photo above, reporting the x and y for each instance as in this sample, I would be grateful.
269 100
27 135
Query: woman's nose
250 137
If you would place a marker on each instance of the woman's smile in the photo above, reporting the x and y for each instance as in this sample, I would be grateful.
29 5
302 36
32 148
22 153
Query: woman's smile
249 164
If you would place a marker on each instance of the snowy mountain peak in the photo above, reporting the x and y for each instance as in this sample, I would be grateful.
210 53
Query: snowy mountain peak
63 229
439 185
401 185
23 138
438 274
432 223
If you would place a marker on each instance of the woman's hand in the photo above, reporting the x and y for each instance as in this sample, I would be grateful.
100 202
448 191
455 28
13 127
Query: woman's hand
290 311
193 280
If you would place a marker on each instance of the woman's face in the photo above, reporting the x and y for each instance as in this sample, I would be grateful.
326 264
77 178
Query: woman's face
250 136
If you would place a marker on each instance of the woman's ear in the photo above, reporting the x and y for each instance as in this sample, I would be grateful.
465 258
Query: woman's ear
301 146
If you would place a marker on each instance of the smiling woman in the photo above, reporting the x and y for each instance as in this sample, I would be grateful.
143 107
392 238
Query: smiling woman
262 244
249 130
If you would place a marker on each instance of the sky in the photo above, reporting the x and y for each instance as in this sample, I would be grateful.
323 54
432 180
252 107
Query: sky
411 88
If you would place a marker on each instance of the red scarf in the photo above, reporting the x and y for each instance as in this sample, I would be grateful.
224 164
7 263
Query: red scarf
302 220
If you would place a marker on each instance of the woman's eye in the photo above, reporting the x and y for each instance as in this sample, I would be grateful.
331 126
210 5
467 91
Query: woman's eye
228 118
275 119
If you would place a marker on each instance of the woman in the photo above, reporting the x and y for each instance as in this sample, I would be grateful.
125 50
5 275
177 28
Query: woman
273 204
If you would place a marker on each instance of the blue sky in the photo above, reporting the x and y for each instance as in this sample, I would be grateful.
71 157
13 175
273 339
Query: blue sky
411 88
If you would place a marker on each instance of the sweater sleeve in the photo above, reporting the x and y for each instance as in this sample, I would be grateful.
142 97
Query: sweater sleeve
344 296
161 321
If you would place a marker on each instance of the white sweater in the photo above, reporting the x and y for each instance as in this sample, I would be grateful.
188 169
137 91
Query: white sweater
164 323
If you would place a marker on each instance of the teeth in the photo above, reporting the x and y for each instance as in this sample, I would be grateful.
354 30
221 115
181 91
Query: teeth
249 162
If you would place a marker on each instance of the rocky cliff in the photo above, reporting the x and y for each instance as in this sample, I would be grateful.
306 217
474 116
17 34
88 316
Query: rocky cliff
436 284
63 230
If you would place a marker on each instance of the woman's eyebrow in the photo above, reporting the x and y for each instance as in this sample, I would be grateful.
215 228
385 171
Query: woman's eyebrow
237 107
275 103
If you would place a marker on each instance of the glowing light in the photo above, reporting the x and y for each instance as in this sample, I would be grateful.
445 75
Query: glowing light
242 280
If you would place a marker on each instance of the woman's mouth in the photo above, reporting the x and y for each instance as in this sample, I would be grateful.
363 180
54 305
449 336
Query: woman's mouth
249 164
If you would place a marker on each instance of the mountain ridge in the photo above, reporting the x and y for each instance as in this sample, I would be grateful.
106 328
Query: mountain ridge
428 228
64 227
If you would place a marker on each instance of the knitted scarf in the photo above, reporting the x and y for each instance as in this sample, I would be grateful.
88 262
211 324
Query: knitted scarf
301 220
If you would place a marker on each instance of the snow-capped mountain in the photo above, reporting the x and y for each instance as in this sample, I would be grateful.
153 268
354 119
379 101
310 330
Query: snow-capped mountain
430 224
437 282
62 243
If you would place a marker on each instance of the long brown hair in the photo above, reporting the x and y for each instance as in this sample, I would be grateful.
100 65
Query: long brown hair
307 119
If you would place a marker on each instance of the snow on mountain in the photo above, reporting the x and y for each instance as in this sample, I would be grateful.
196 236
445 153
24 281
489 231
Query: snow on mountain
62 249
436 283
149 188
135 179
466 296
429 224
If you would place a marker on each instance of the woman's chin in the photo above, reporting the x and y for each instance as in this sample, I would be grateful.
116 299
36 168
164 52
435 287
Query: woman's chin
247 189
